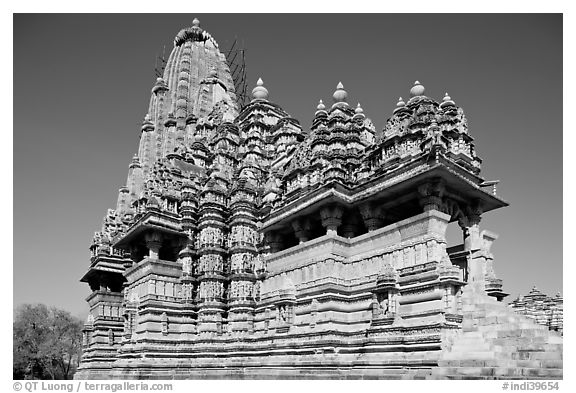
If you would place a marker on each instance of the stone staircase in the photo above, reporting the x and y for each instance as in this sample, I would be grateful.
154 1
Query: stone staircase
497 343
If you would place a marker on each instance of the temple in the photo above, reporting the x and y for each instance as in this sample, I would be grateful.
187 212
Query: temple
244 246
543 309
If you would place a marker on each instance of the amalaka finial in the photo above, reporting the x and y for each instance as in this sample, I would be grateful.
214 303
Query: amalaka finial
358 109
400 104
447 101
321 106
340 95
196 22
260 92
417 89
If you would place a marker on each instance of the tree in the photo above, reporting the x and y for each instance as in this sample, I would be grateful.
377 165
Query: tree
46 342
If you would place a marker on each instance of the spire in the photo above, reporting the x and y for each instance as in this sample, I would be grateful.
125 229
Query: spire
417 90
260 92
359 112
340 95
399 105
447 101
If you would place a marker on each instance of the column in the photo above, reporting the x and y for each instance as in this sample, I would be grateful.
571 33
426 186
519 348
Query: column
470 224
274 241
431 194
302 229
331 218
372 215
153 243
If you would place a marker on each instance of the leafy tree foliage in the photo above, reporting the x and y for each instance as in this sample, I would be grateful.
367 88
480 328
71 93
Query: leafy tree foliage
46 343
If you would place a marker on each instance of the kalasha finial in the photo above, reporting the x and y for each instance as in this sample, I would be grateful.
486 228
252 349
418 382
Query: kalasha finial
196 22
399 105
359 110
417 89
447 101
260 92
321 106
340 95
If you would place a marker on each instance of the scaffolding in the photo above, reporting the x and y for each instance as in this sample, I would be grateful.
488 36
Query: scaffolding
236 59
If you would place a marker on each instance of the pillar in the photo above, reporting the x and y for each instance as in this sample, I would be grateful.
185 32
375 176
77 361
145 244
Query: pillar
302 229
331 218
431 194
470 224
372 215
153 243
274 241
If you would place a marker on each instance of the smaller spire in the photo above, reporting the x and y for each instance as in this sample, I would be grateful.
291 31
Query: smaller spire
135 162
417 89
260 92
359 113
399 105
196 22
340 95
447 101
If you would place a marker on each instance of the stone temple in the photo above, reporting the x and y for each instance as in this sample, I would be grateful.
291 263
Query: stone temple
243 246
543 309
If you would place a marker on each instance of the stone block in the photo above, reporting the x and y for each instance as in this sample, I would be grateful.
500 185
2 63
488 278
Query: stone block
552 363
500 363
469 355
545 355
472 363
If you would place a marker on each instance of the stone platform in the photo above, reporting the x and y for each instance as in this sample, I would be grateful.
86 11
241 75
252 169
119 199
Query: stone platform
497 343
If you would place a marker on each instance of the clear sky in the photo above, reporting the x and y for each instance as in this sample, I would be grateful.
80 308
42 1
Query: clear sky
82 85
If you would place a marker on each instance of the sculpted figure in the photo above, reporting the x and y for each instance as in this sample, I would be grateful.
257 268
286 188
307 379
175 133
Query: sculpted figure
282 314
384 305
187 265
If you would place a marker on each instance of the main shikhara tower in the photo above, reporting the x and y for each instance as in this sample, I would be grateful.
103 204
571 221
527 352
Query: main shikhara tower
243 246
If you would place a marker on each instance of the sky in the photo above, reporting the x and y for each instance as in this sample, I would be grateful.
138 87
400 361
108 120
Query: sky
82 85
